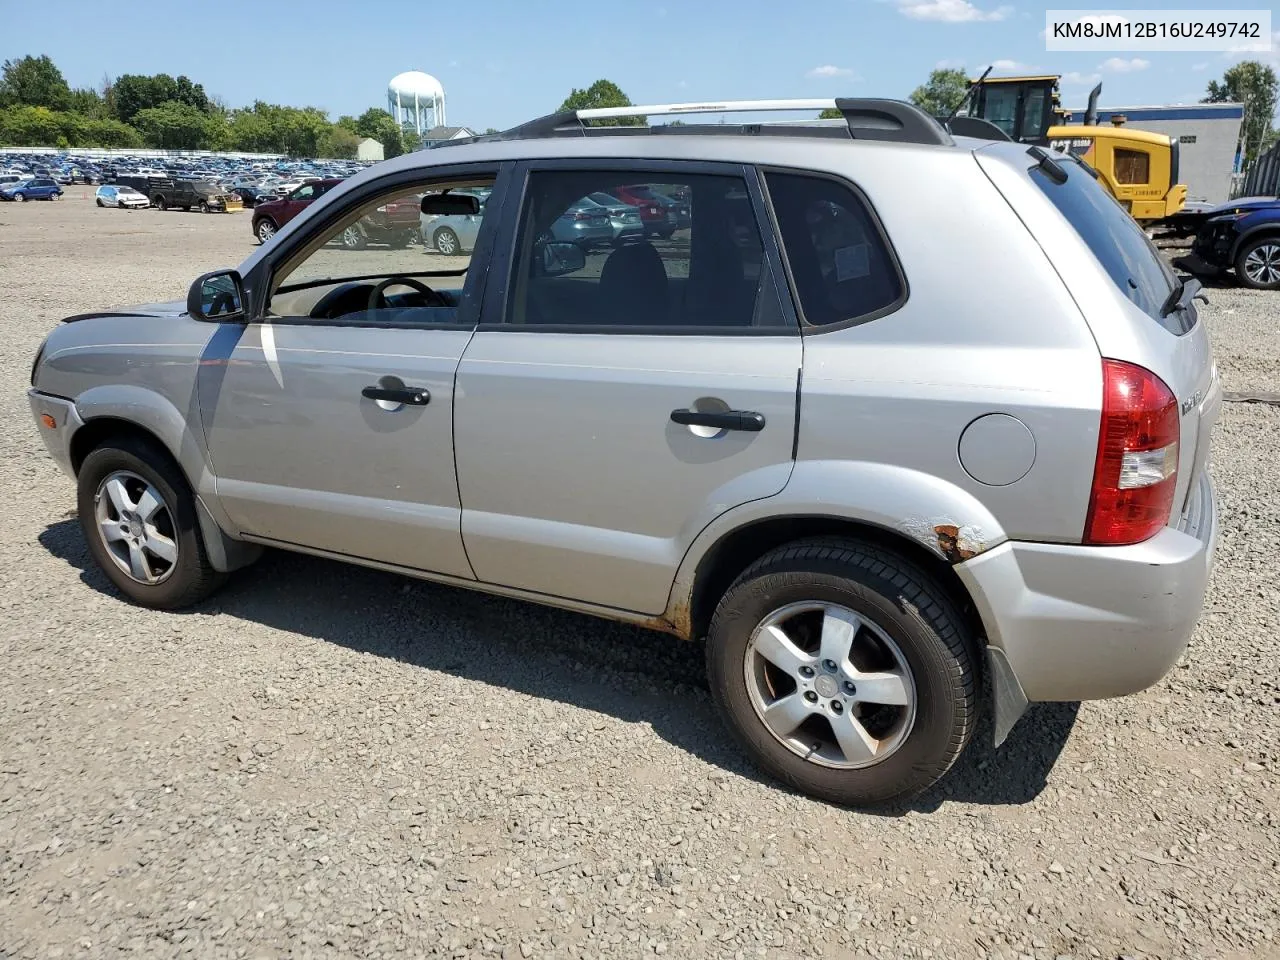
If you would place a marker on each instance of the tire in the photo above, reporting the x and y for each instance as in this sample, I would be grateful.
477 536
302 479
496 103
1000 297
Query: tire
100 203
161 204
20 197
403 240
204 207
1258 263
54 196
138 465
353 238
446 242
909 635
265 229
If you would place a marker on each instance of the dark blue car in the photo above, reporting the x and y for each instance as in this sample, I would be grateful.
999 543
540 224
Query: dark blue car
1243 235
37 188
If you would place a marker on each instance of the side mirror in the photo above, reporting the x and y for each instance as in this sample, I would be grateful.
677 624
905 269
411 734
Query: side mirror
217 296
561 257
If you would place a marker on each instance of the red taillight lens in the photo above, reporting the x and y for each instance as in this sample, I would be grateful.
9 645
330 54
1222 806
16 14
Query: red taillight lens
1137 466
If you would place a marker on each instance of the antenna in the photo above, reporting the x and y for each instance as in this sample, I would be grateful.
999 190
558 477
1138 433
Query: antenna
973 89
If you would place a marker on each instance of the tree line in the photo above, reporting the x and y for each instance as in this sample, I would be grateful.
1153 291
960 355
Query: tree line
38 108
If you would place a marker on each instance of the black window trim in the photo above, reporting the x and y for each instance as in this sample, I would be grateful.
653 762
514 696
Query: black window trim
816 329
495 310
258 280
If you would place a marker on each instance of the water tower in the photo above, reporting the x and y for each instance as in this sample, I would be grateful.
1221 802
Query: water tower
416 100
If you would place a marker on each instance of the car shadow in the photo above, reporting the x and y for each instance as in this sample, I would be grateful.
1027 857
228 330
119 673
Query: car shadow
633 674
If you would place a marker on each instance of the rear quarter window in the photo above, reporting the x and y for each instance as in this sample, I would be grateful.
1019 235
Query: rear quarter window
840 264
1116 240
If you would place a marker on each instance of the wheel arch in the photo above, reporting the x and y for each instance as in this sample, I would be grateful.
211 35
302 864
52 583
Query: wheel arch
1272 228
694 596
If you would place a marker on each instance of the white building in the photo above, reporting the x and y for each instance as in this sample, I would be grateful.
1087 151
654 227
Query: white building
370 149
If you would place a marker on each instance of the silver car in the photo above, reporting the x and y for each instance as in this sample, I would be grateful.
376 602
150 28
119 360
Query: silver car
902 417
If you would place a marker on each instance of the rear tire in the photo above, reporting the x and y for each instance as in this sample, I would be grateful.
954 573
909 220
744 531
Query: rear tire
100 203
883 722
1258 263
446 242
204 207
158 512
161 204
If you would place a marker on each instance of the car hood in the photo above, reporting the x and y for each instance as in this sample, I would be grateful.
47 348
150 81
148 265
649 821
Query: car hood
173 308
1246 203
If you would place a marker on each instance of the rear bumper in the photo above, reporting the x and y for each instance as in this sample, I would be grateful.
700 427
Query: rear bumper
57 439
1084 623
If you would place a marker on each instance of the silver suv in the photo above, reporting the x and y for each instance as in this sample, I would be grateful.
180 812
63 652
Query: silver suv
893 410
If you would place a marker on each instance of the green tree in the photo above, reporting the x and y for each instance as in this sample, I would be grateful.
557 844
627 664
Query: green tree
602 93
1255 85
377 123
30 126
942 92
133 93
110 132
340 143
348 122
88 103
831 113
490 130
173 126
33 82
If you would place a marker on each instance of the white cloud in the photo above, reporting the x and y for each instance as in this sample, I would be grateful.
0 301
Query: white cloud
949 65
827 71
682 84
1008 65
1200 66
950 11
1081 79
1121 65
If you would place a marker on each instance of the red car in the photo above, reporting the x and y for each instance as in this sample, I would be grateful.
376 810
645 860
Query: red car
271 216
660 214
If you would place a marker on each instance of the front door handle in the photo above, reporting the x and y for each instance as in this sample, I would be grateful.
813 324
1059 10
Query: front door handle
747 420
418 396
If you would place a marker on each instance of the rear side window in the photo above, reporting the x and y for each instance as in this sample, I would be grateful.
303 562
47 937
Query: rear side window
1130 259
839 262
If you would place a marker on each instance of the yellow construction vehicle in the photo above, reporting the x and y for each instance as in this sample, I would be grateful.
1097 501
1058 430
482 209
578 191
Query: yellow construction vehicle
1140 169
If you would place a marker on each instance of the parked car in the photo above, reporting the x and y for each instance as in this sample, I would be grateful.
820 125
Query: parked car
584 222
166 193
251 195
662 215
452 234
7 178
270 216
126 198
394 223
34 188
875 501
623 217
1241 235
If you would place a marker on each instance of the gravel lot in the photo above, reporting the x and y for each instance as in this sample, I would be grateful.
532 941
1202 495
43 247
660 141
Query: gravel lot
328 761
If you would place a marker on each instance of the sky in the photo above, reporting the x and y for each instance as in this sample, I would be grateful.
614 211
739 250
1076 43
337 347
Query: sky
502 62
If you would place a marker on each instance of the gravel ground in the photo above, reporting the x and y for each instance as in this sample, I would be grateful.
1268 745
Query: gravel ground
328 761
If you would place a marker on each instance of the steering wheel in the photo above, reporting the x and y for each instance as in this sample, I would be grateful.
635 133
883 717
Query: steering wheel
377 301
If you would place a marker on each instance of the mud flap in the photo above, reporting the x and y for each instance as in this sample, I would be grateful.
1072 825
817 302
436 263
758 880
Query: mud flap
1010 700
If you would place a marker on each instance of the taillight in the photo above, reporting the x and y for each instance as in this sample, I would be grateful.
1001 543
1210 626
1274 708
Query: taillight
1137 466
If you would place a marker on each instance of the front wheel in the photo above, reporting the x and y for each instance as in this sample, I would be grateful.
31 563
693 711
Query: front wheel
845 671
204 207
100 203
139 518
161 204
353 238
20 197
264 230
54 196
1258 263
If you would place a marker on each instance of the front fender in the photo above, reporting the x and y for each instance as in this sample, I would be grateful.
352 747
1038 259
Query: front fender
946 520
1269 227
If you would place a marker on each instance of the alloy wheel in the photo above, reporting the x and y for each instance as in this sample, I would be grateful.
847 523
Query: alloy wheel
447 242
136 527
1263 263
830 685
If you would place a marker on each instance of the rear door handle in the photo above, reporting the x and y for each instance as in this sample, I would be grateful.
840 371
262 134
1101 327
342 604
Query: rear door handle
418 396
747 420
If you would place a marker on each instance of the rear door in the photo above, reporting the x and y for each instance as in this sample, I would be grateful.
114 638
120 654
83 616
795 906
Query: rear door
614 401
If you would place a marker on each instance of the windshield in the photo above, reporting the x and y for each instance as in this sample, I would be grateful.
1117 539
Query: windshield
1121 246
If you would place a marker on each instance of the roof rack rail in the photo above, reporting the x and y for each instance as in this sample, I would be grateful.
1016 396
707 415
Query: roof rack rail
865 119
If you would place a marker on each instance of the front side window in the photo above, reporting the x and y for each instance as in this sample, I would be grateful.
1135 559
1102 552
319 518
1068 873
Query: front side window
307 192
385 260
629 249
841 267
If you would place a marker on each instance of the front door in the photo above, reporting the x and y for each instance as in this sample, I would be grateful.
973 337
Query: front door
626 394
330 420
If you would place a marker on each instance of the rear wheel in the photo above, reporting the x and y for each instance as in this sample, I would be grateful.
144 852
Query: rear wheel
353 238
139 518
204 207
844 671
161 204
1258 263
100 203
264 229
446 242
